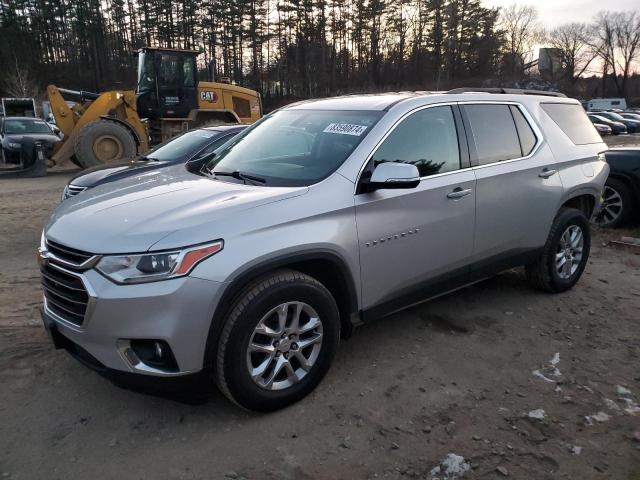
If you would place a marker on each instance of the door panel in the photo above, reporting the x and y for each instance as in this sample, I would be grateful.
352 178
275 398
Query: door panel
516 195
515 206
408 237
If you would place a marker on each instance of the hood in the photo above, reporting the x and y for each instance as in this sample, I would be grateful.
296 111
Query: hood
132 214
94 176
45 137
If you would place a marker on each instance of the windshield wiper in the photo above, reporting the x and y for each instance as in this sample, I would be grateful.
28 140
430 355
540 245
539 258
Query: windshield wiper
148 159
240 176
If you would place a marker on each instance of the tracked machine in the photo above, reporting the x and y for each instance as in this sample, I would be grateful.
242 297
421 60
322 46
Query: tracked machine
100 128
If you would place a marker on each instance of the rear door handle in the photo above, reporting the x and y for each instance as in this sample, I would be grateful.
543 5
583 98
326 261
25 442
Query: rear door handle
459 193
546 173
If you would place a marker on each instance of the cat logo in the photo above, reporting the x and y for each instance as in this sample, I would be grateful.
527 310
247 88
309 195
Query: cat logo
208 96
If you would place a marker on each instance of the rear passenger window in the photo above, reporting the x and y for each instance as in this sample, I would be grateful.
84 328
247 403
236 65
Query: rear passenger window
427 139
494 133
573 121
525 133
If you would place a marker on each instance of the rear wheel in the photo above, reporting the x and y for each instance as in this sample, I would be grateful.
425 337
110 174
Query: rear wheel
616 206
565 253
278 342
103 141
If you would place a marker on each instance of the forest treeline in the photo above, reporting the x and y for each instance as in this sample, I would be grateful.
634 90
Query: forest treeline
311 48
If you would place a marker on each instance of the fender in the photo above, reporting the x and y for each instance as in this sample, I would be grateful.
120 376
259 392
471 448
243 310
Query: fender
250 272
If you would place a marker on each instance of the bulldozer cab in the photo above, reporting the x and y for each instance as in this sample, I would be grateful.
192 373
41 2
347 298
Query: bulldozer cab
167 83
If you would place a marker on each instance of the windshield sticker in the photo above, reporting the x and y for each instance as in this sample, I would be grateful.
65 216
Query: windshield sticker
345 129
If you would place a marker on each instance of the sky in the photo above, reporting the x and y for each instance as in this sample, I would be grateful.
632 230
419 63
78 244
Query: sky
556 12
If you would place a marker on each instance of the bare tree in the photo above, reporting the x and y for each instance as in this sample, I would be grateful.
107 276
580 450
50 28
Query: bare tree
572 40
627 32
521 32
18 83
616 39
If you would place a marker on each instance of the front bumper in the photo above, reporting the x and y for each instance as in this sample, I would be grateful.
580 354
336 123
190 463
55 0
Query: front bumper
178 311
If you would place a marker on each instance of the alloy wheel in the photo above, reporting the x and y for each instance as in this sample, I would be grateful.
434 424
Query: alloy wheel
611 207
284 346
569 252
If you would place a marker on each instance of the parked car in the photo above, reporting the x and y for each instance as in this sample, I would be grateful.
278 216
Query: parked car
321 216
632 125
617 128
191 148
622 190
14 130
602 129
630 116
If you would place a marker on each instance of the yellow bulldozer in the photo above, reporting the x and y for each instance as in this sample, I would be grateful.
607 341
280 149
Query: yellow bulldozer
105 127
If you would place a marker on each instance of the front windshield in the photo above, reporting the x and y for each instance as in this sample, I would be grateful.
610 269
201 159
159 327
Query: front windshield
13 127
295 147
146 71
183 147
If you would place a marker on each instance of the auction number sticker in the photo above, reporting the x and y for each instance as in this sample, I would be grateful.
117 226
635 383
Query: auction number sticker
345 129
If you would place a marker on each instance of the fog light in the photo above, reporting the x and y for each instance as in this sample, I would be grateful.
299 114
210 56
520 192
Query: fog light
155 354
158 348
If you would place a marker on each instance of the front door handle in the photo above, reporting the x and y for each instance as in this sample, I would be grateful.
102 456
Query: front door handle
459 193
546 173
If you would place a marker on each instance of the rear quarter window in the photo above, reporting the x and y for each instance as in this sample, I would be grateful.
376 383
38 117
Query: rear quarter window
573 121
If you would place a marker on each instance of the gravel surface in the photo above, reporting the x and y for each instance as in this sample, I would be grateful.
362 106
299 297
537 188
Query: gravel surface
493 381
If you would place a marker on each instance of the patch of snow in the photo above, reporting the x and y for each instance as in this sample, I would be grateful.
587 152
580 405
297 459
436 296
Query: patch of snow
537 414
611 404
632 407
549 370
622 392
453 466
599 417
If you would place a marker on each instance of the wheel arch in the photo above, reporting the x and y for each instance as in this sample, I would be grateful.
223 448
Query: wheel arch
325 266
584 199
225 115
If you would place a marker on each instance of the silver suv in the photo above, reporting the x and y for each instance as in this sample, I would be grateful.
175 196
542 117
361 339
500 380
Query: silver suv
323 215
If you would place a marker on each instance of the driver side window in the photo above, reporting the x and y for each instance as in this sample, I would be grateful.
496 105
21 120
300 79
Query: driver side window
427 139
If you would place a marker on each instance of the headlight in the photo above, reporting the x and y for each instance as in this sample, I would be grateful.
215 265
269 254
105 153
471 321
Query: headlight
13 145
150 267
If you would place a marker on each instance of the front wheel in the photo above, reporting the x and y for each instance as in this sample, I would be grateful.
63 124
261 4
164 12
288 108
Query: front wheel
278 342
564 255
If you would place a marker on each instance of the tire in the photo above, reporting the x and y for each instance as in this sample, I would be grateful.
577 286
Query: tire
75 161
256 305
543 273
617 206
103 141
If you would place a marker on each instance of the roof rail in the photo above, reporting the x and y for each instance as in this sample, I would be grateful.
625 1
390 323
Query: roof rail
516 91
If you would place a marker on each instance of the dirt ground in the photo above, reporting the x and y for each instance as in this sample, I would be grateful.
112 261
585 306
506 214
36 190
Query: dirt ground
453 376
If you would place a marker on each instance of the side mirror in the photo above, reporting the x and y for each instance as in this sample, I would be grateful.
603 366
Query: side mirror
393 175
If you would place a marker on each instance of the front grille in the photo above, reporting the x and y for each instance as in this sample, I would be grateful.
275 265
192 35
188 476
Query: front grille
73 190
65 294
68 254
